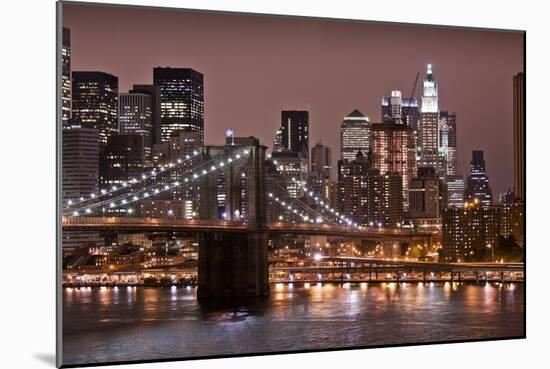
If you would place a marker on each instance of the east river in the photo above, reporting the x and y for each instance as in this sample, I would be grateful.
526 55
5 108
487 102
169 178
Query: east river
138 323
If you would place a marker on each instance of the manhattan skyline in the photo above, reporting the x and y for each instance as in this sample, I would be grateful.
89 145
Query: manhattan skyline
326 67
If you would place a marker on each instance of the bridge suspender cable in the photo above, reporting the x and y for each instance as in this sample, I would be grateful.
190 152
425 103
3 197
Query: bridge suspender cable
139 194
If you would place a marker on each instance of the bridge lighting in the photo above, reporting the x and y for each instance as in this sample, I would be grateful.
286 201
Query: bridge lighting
170 212
238 156
222 164
195 152
213 167
130 211
70 202
229 160
204 171
195 175
82 199
179 160
146 194
317 257
186 179
112 204
75 213
156 191
379 224
135 198
176 183
270 194
319 220
143 176
123 201
280 217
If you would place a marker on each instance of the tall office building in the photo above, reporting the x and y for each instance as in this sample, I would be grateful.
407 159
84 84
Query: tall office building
478 181
425 194
292 165
519 136
400 110
355 135
65 77
123 159
455 191
366 196
295 131
154 92
186 196
95 103
429 122
278 141
80 162
181 101
447 142
321 160
394 152
135 117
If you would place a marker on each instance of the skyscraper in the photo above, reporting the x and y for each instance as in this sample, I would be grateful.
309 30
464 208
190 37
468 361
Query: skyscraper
95 103
429 122
182 101
135 117
154 92
321 160
455 191
66 77
295 131
425 194
80 162
394 152
519 136
355 135
478 181
366 196
123 159
400 110
447 142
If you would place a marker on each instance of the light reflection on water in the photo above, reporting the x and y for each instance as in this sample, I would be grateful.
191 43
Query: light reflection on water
104 325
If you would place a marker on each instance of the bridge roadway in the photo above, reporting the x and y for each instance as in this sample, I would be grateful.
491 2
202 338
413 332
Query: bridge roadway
382 264
194 225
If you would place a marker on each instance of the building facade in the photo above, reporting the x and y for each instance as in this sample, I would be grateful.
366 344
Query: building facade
135 117
321 160
66 100
355 135
80 162
181 101
519 136
447 142
295 131
95 103
478 182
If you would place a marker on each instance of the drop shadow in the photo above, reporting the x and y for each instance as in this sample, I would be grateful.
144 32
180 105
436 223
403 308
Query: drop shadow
46 358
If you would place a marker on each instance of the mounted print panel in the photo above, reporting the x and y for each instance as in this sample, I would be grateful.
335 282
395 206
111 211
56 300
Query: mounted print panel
243 184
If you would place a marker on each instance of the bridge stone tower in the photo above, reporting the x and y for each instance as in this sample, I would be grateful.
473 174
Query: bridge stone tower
234 263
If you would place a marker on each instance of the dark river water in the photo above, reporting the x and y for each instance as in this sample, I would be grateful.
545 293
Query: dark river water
125 324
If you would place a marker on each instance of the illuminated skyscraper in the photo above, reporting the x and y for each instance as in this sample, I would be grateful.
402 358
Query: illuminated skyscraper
182 101
66 77
154 92
95 103
135 117
295 131
478 181
455 191
278 141
519 136
394 152
355 135
429 122
447 142
400 110
367 197
425 194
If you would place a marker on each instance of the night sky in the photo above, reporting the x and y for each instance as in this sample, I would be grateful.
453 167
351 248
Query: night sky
256 66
